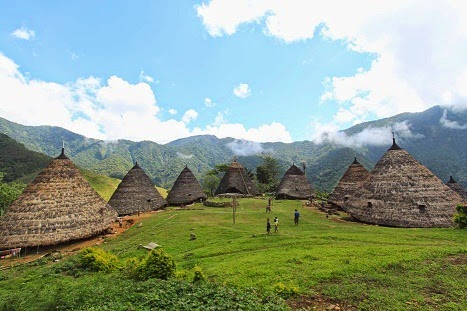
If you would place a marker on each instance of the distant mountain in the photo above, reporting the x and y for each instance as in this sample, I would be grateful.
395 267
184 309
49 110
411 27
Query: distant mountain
19 163
436 137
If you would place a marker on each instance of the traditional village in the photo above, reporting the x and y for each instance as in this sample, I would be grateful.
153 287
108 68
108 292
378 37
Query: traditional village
59 207
233 155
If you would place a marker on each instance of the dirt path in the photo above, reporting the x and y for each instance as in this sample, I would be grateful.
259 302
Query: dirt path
67 249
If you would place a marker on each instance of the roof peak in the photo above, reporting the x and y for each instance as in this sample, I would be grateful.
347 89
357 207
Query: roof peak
62 155
451 180
355 161
394 145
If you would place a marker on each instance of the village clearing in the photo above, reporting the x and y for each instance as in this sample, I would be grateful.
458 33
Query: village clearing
328 262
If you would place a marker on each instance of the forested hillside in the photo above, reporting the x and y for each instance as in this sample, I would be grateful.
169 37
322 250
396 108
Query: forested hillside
436 137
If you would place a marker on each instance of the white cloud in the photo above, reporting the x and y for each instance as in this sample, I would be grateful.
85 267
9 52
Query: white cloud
189 116
243 147
264 133
143 77
418 46
209 103
110 110
242 90
23 33
375 136
223 17
172 111
451 124
184 156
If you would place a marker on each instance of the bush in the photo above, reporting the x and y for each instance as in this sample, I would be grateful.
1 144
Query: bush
461 217
285 291
199 275
157 264
96 259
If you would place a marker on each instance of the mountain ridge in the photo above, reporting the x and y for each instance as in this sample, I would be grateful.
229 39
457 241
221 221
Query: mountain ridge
325 162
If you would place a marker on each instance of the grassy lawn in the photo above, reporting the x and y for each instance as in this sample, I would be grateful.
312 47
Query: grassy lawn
346 264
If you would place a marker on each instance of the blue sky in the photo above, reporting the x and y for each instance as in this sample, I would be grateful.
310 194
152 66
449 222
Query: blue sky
255 70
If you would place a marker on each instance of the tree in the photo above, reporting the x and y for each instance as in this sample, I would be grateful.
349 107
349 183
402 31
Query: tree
210 183
268 172
461 217
8 193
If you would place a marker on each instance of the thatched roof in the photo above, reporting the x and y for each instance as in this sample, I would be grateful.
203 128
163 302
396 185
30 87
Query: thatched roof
402 192
294 185
136 193
58 206
351 180
236 180
186 189
457 188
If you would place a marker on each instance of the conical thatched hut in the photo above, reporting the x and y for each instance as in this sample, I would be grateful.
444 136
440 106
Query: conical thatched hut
58 206
457 188
236 180
136 193
401 192
295 185
351 180
186 189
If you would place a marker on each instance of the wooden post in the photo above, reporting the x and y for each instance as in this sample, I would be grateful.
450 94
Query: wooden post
234 207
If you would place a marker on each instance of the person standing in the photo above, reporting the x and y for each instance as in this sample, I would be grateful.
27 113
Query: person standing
276 224
296 217
268 227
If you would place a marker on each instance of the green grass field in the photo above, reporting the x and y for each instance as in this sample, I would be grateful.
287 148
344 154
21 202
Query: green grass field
346 264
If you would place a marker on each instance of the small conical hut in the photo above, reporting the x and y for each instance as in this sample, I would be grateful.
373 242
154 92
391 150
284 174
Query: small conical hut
186 189
136 193
401 192
349 182
236 180
58 206
457 188
295 185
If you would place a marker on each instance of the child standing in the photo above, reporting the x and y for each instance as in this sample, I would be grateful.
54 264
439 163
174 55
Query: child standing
268 227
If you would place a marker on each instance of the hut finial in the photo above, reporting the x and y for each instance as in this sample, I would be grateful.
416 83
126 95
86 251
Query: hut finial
62 155
394 145
451 180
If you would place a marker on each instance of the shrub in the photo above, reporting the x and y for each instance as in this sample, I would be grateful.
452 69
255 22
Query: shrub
157 264
130 267
461 217
96 259
285 291
199 275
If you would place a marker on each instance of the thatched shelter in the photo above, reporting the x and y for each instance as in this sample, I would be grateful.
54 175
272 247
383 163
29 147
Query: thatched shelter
295 185
402 192
186 189
351 180
236 180
58 206
136 193
457 188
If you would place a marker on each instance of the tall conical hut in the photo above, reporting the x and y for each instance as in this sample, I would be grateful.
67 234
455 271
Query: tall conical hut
58 206
295 185
136 193
353 178
186 189
236 180
457 188
401 192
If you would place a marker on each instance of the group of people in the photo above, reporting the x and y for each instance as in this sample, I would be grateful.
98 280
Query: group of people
276 222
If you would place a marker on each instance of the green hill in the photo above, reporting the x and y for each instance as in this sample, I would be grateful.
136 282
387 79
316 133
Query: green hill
19 163
323 263
440 148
